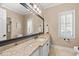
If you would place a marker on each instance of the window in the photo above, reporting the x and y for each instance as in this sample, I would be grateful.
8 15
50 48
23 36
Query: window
29 26
67 24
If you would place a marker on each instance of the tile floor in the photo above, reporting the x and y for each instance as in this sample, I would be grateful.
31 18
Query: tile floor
61 52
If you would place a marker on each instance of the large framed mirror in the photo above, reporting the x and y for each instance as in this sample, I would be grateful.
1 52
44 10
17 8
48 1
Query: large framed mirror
18 20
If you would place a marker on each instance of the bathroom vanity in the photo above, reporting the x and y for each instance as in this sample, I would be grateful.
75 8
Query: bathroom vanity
34 47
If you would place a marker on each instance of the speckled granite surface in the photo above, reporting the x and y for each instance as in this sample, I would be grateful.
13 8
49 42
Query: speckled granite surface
25 48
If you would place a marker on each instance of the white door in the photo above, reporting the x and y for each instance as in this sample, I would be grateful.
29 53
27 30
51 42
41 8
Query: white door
2 24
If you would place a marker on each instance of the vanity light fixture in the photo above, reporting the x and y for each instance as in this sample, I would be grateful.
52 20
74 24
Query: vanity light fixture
35 6
39 11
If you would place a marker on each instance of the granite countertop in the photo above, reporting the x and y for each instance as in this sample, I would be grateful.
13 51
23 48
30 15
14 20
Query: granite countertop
26 48
3 48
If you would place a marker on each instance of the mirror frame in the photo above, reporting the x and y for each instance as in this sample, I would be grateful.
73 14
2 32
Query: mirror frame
5 42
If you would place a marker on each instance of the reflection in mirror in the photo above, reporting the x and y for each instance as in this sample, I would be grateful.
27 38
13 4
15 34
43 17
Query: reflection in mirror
16 21
33 24
8 28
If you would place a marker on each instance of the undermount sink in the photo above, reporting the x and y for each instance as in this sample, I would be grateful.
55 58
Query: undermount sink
29 46
40 39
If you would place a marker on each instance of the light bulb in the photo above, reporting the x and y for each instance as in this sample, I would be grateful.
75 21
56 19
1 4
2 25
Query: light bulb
39 11
35 6
27 9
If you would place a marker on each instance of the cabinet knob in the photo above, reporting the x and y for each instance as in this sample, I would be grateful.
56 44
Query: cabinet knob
47 44
4 35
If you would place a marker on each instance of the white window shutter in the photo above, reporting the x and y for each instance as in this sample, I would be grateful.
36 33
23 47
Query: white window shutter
67 24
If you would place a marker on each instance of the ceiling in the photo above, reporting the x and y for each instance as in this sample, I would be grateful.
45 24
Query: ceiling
22 10
48 5
16 7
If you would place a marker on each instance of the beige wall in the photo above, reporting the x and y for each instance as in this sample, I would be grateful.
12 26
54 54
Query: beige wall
51 16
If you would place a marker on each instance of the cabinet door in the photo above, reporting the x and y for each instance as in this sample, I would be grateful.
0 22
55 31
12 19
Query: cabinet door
35 53
45 49
2 24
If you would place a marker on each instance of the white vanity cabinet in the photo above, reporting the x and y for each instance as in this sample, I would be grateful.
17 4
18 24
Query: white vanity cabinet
2 24
35 53
44 50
